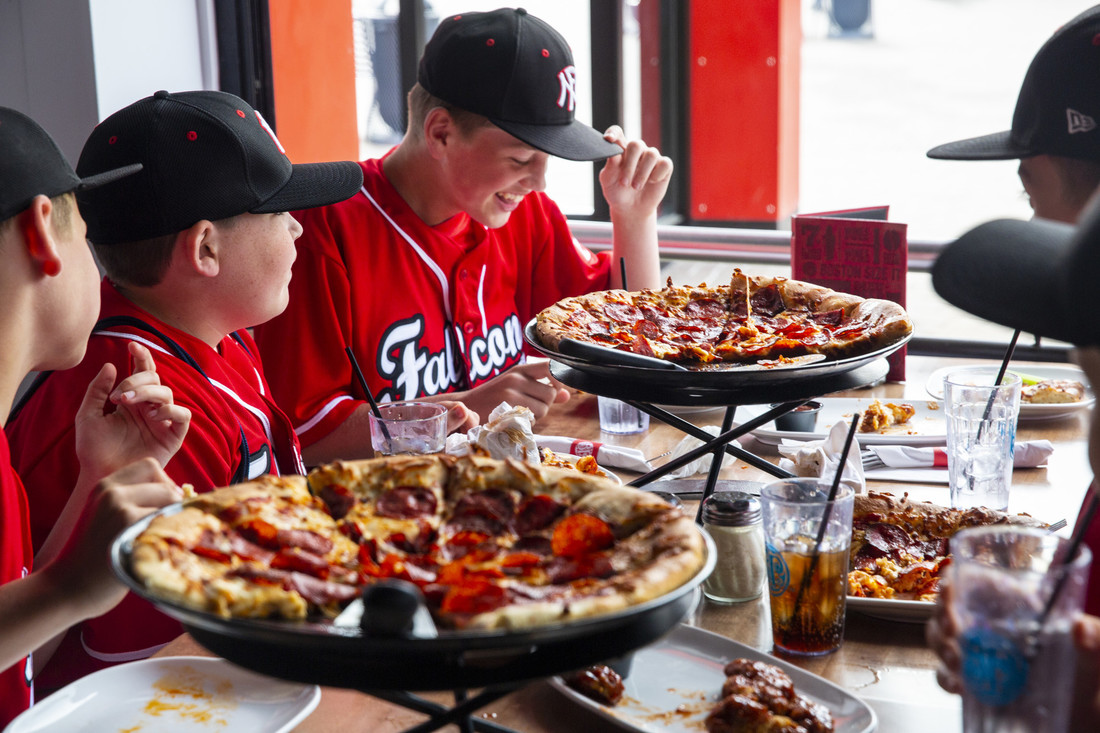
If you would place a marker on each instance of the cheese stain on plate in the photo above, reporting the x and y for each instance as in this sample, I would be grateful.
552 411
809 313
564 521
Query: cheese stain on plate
183 693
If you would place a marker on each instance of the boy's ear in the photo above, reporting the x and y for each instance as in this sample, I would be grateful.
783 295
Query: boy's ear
200 247
439 130
36 225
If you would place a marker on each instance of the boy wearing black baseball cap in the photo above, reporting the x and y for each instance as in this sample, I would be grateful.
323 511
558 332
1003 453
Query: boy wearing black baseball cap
197 247
1054 128
49 296
1039 277
431 271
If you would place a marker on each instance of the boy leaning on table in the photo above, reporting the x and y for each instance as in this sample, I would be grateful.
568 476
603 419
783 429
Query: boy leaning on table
431 271
197 247
49 296
1040 277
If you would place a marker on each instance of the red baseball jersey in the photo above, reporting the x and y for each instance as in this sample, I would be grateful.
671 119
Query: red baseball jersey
1092 540
426 309
15 562
237 433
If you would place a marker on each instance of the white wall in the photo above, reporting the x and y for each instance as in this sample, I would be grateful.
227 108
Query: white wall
70 63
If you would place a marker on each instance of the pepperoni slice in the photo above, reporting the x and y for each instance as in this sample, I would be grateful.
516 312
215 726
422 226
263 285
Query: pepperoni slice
294 558
580 534
406 502
537 512
829 318
622 312
338 499
768 301
473 597
320 592
705 308
491 511
304 539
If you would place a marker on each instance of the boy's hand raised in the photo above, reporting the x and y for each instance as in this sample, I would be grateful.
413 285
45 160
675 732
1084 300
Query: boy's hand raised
634 182
145 423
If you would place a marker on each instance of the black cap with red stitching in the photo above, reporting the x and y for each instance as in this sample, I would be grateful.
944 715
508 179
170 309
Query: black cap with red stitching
31 164
206 155
516 70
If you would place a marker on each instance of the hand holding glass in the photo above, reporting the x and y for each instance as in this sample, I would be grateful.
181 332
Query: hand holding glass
410 428
1016 676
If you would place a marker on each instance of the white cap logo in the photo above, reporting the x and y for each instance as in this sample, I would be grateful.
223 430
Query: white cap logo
267 128
567 97
1079 122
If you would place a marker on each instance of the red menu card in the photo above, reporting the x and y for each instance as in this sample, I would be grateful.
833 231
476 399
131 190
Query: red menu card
854 251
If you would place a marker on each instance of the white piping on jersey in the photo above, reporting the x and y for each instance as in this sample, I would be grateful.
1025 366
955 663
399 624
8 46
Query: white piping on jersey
144 341
309 424
255 411
435 268
229 392
481 303
120 656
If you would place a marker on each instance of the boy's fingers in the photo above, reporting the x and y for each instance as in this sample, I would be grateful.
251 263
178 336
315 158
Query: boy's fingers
141 358
99 389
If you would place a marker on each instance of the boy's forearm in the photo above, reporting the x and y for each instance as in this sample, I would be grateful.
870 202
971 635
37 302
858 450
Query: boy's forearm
33 612
634 239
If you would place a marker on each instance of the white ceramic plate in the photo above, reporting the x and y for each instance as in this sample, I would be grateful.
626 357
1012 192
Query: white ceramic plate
926 427
172 695
673 684
602 471
891 609
934 385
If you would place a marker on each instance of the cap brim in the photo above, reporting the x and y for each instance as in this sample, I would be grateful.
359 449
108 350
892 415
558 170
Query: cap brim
997 146
575 141
314 184
99 179
1015 273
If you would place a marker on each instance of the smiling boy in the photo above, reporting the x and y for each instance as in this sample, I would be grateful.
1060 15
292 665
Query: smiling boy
430 272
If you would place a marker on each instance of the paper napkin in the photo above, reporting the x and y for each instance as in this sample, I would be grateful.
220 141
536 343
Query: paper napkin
1027 454
821 458
615 456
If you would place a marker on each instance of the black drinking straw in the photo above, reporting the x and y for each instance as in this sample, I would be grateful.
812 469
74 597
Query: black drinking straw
366 390
828 512
997 382
622 272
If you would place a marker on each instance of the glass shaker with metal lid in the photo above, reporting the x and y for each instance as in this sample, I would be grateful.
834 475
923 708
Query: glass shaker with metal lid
733 520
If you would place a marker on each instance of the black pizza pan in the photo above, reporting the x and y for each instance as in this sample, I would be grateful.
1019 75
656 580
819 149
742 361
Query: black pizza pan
320 652
605 362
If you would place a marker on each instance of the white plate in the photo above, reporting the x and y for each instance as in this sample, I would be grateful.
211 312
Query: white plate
569 457
891 609
172 694
934 385
673 684
926 427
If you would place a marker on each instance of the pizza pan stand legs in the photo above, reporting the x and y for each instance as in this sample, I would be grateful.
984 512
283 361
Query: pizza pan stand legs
441 715
718 445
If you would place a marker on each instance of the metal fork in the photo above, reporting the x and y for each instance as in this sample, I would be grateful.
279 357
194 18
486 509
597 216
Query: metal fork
871 461
1057 526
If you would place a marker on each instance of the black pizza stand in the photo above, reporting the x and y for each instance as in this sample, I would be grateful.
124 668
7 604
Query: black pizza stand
644 382
389 664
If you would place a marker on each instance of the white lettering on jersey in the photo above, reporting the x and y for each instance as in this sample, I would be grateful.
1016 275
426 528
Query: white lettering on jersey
414 371
1079 122
567 80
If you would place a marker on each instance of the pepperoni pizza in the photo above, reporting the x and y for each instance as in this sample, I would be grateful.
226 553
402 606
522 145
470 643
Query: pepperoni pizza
491 544
753 319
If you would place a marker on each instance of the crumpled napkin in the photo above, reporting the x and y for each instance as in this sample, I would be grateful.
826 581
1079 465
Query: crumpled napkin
821 458
508 433
1027 454
616 456
703 463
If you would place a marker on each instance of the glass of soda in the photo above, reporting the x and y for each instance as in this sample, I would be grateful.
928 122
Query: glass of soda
406 428
807 539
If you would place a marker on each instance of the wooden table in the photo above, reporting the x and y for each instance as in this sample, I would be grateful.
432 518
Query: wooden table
883 662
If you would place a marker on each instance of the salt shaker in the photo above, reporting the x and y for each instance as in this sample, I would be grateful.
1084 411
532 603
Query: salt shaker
733 520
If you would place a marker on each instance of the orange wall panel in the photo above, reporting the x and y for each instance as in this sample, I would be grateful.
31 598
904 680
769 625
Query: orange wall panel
744 67
313 64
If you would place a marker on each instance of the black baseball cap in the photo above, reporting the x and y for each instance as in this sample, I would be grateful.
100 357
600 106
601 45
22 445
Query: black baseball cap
32 164
516 70
1038 276
206 155
1058 109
